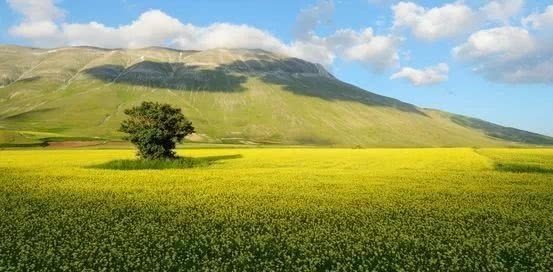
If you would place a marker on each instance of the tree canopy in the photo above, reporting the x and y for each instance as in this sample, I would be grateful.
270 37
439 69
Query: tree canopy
155 129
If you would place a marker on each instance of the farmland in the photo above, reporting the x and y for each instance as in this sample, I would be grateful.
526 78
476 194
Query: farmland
279 209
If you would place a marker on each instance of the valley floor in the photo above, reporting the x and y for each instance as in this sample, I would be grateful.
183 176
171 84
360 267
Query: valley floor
280 209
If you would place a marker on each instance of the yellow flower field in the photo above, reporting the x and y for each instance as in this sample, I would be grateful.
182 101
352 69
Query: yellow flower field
279 209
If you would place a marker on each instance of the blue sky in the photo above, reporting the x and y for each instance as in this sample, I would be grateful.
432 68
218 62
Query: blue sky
488 59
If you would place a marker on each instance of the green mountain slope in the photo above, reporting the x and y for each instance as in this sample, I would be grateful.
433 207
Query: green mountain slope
231 95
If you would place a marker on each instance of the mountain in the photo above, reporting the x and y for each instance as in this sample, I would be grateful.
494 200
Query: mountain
230 95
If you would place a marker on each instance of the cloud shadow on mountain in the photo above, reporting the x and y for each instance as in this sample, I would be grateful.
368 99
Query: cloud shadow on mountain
305 78
294 75
177 76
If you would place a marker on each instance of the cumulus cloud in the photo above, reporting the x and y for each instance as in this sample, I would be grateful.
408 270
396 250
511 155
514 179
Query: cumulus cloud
363 46
426 76
313 52
534 69
439 22
540 20
41 26
311 17
37 10
39 18
508 54
379 51
498 43
502 10
36 30
151 28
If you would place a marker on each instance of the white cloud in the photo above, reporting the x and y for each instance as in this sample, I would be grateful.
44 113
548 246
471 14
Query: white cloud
421 77
37 10
509 54
374 51
499 43
310 18
36 30
531 70
540 20
379 51
226 35
39 18
155 27
151 28
502 10
439 22
311 51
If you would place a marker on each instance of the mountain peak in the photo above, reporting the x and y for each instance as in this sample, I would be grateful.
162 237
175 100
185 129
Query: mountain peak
231 95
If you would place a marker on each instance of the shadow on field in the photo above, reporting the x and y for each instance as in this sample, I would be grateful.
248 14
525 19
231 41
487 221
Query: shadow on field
522 168
212 159
178 163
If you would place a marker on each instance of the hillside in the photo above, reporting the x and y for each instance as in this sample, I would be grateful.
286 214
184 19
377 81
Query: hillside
231 96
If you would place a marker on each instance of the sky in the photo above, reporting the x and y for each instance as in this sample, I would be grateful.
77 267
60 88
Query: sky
487 59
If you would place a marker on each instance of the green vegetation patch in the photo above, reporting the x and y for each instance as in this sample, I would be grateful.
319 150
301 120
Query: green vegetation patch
65 139
9 145
10 139
500 132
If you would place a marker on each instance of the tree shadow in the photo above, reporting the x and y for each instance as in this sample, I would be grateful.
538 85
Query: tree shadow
294 75
213 159
177 163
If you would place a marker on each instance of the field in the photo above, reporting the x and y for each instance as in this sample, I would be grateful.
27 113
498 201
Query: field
279 209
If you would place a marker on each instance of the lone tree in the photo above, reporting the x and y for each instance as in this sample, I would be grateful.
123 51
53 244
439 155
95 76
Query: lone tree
155 129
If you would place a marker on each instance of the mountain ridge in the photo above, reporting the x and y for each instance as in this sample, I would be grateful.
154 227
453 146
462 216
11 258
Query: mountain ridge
231 95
